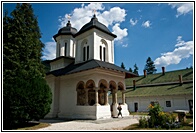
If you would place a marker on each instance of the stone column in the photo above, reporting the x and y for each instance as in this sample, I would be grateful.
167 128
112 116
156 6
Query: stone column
96 96
114 103
106 96
123 97
86 96
114 93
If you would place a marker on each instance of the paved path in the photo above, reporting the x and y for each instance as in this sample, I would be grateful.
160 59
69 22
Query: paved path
101 124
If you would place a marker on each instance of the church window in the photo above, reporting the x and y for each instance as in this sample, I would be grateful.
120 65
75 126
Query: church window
103 50
84 53
85 49
87 52
65 49
59 49
104 54
168 103
100 53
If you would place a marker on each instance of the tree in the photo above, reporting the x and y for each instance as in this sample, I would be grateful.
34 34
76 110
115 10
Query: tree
122 65
135 69
150 67
130 69
26 95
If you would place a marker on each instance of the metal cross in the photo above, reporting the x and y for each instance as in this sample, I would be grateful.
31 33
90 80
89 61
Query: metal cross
68 16
94 11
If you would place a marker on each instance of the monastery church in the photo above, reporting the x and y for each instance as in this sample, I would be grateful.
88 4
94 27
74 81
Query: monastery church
83 74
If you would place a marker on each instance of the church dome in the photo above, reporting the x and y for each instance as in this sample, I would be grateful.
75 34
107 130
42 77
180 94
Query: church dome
67 30
94 23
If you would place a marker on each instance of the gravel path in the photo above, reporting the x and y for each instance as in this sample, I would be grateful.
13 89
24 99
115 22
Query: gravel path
103 124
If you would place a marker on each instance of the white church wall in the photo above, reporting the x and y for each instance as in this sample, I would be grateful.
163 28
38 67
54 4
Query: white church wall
58 64
67 106
103 112
79 47
94 38
109 40
178 102
70 50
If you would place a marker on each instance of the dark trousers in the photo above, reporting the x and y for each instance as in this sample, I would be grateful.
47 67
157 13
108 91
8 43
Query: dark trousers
119 113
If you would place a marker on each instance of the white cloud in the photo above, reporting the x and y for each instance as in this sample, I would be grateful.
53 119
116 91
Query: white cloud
121 33
133 23
183 50
125 45
49 51
139 10
182 8
146 24
83 15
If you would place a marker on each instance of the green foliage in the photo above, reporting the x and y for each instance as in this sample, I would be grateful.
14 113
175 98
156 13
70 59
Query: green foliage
135 69
158 118
122 65
26 95
150 67
130 69
143 122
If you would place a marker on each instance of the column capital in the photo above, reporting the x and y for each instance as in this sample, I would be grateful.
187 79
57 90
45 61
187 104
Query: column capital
106 89
96 88
114 91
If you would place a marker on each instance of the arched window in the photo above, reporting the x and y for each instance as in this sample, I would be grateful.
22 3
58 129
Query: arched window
65 53
84 53
87 52
80 93
103 50
104 54
100 53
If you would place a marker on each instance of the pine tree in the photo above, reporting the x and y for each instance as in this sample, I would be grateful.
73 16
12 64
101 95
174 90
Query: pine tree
26 95
122 65
130 69
150 67
135 69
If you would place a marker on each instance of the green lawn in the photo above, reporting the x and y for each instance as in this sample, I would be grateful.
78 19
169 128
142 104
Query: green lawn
33 126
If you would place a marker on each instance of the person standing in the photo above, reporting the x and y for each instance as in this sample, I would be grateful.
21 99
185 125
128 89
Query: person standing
119 110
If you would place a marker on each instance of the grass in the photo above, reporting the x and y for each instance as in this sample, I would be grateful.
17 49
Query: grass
33 126
139 113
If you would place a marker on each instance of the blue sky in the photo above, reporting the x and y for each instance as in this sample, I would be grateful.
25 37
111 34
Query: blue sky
162 31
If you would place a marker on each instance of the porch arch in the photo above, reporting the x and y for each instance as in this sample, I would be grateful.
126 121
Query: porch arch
121 86
90 85
80 88
102 92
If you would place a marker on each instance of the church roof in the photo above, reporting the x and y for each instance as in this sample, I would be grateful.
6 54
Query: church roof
91 64
94 23
159 84
67 30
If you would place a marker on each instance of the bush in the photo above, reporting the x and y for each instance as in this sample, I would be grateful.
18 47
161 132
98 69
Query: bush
158 119
143 122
